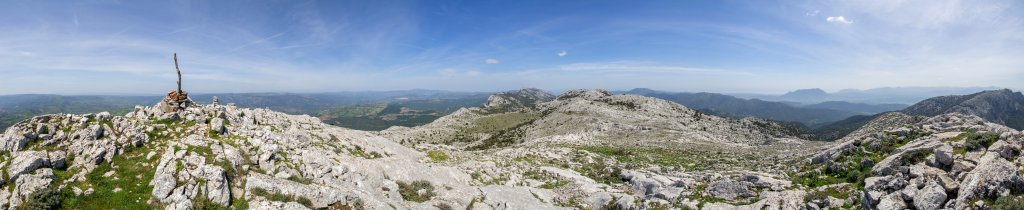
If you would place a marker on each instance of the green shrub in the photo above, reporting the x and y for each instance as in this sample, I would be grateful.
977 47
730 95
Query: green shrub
46 198
1009 202
409 191
977 141
914 157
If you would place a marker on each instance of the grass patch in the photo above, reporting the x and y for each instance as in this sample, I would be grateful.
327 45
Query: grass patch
555 184
410 191
847 167
601 171
132 177
437 155
502 130
835 192
277 196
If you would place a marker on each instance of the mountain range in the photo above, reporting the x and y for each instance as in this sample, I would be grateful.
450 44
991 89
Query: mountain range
813 115
523 149
885 95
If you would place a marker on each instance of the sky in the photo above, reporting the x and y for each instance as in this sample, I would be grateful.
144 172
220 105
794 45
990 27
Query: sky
126 47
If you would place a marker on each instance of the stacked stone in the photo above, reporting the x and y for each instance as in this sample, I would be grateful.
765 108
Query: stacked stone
176 101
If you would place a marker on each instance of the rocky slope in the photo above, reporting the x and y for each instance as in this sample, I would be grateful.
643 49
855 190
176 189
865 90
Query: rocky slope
731 106
225 156
1000 106
950 161
516 100
586 149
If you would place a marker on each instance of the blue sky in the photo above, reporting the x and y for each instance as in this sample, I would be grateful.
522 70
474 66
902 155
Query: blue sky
125 47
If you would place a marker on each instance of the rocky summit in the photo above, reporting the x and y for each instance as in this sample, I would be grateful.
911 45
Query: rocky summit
527 149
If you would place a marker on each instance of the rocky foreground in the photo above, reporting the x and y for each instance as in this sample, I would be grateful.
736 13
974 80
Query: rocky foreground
581 150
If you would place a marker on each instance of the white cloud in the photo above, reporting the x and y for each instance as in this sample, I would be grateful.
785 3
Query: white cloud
562 53
838 19
811 13
491 61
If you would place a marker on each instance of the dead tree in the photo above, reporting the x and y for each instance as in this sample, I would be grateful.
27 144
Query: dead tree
179 71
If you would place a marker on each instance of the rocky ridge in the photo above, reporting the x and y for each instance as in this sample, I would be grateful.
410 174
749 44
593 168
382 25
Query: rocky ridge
586 149
999 106
950 161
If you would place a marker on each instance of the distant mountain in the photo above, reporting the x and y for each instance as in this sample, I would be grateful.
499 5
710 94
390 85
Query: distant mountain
408 113
886 95
999 106
805 95
14 108
859 108
625 120
736 107
518 99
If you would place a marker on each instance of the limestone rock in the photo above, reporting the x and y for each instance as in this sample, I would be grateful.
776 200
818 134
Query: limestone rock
932 196
25 162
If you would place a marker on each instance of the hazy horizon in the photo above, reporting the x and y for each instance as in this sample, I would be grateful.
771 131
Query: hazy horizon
554 91
334 46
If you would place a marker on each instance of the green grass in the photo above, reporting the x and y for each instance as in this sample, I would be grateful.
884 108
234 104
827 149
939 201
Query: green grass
360 110
850 170
601 171
277 196
840 193
554 184
437 155
502 128
359 152
698 195
132 177
409 191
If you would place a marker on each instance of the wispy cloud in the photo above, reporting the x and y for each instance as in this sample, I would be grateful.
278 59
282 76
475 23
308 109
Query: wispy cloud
491 61
838 19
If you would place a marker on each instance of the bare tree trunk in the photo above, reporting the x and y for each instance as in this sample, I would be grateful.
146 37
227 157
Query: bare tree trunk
179 71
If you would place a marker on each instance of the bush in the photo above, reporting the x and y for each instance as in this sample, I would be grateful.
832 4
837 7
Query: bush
46 198
410 191
977 141
1009 202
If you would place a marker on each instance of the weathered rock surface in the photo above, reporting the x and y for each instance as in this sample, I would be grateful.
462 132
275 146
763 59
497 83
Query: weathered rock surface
585 149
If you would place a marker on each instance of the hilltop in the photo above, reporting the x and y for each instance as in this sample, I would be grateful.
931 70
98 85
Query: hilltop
521 150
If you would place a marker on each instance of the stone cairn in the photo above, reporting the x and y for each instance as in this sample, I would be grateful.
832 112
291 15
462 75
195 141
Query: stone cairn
176 100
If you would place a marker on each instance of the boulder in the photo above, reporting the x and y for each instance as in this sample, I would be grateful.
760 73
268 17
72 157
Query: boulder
944 155
892 201
25 185
729 189
25 162
164 179
932 196
217 125
993 177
